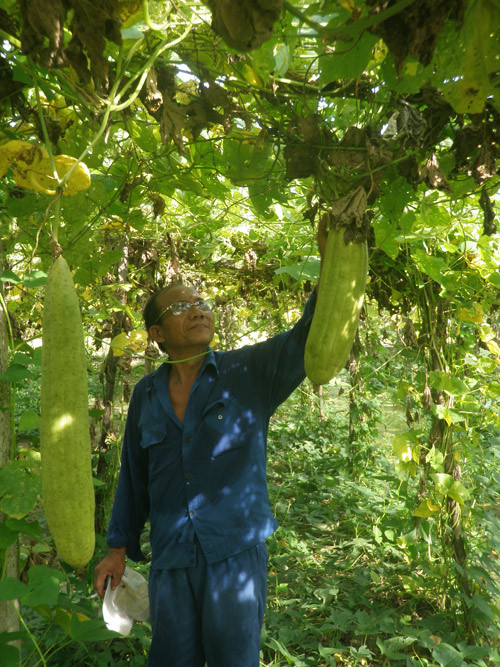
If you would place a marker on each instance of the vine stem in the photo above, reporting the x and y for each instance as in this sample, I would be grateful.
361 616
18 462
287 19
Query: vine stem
154 26
31 636
115 96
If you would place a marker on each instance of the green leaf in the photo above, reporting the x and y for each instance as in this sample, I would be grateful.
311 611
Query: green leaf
442 482
44 586
15 373
30 528
134 31
20 74
435 458
449 416
348 61
96 412
9 276
92 630
447 656
35 279
261 197
9 655
493 390
11 589
12 636
7 536
308 269
20 488
445 382
391 647
458 492
264 61
435 267
29 420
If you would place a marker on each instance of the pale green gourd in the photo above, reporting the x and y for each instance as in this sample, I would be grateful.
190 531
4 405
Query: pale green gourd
68 491
339 301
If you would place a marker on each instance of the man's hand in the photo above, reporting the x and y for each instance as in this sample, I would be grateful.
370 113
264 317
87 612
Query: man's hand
112 565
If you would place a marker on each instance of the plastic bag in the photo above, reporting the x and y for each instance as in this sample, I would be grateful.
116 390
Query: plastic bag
127 602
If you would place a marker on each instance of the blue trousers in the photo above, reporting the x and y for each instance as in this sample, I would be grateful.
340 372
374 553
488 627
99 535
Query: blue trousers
209 614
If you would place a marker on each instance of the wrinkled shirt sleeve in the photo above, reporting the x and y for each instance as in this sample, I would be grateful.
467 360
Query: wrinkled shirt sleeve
131 504
280 360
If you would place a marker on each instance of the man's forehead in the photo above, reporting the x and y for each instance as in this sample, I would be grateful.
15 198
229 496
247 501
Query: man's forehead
178 293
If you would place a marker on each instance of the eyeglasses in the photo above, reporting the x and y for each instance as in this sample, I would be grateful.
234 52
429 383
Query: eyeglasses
182 307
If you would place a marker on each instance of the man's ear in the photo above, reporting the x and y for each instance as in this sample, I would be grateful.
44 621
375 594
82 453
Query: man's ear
156 333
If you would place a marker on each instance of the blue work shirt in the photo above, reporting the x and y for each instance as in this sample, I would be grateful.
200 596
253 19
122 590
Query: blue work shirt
206 477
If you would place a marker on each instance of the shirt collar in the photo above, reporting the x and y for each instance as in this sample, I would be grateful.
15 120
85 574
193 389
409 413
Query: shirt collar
210 362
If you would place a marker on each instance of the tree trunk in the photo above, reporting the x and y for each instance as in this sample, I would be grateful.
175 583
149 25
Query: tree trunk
354 409
105 469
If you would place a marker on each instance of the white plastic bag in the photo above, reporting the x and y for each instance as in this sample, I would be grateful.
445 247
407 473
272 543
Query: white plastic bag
127 602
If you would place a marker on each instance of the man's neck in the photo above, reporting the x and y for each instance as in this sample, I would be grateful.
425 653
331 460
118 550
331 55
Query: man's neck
186 366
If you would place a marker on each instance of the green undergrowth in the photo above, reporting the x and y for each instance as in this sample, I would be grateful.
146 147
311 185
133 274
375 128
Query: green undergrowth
354 577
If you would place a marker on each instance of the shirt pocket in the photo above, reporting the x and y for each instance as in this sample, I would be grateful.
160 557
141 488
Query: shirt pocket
226 427
153 435
161 453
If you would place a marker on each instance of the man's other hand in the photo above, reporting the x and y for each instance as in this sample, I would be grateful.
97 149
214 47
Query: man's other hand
112 565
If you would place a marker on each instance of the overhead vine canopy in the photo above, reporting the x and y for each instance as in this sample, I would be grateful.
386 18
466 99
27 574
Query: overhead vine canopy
195 118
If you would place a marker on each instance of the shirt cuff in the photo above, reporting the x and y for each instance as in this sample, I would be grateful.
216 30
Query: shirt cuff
117 538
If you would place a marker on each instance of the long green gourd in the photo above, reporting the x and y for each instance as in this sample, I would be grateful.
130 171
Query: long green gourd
339 301
67 487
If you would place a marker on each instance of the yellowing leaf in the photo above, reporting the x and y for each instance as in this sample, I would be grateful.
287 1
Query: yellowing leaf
119 344
401 448
135 341
476 56
486 333
426 509
493 347
138 341
472 314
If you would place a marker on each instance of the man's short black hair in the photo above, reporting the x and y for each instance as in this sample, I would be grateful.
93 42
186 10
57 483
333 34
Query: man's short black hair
152 311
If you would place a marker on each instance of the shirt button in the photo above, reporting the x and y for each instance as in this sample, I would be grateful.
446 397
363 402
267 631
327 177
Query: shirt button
219 416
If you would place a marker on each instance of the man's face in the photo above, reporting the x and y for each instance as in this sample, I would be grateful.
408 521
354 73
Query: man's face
192 328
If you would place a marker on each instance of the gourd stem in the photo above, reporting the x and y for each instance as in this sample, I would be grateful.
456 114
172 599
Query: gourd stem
57 208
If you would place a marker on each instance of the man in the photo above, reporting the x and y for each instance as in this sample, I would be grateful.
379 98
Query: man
194 463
